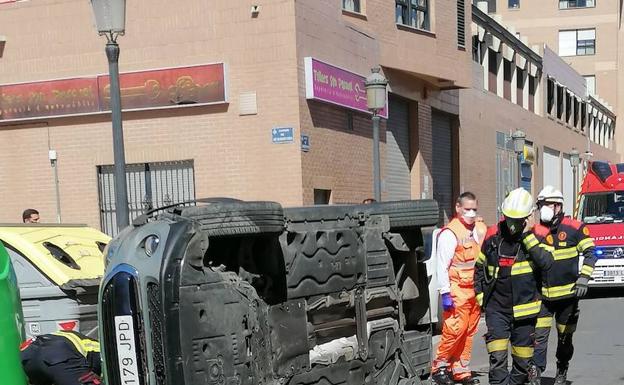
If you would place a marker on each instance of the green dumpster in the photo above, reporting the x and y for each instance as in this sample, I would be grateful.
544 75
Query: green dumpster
11 324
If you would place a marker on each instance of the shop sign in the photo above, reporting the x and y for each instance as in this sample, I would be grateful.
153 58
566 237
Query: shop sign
335 85
143 90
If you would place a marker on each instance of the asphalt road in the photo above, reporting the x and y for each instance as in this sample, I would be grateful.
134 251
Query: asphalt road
598 341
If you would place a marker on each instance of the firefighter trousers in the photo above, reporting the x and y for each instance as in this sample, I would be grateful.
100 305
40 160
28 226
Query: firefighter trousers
502 330
53 359
459 328
566 314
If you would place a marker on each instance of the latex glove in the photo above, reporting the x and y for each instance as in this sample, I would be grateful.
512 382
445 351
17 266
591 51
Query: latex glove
447 302
581 286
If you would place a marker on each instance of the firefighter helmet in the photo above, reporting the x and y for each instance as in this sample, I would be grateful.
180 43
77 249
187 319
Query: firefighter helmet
550 194
518 204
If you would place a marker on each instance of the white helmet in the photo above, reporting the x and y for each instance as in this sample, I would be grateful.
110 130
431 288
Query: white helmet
518 204
550 194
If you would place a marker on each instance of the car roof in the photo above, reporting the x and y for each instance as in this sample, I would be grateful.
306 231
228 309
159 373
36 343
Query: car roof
61 252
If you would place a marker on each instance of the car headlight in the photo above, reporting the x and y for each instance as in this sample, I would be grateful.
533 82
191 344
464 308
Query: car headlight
150 244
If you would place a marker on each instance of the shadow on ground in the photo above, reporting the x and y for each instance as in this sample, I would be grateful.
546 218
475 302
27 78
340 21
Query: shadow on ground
605 292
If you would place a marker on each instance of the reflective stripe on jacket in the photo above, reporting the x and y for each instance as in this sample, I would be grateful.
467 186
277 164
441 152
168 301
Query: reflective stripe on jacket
532 257
566 242
461 270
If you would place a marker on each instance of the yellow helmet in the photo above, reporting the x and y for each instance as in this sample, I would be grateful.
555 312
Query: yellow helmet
518 204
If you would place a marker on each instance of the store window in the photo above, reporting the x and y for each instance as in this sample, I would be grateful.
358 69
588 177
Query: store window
352 6
565 4
413 13
578 42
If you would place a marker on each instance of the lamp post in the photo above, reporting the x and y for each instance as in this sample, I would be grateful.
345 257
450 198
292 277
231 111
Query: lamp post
376 101
519 139
110 20
575 160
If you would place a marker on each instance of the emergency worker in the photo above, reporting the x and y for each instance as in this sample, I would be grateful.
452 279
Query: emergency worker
458 247
507 289
62 358
563 285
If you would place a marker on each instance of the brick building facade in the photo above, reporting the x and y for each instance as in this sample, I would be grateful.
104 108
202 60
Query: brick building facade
429 140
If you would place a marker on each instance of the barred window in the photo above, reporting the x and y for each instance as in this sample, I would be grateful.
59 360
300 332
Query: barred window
413 13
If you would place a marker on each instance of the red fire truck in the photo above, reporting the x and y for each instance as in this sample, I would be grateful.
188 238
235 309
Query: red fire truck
601 207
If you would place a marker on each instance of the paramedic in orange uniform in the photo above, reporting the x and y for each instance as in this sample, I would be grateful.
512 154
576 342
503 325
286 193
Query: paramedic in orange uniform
458 247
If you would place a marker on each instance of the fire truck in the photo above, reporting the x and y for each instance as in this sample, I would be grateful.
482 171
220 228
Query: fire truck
601 207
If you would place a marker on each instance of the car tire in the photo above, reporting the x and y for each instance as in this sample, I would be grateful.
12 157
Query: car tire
237 218
406 214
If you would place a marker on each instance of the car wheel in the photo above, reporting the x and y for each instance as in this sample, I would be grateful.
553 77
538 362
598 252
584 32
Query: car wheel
406 214
237 218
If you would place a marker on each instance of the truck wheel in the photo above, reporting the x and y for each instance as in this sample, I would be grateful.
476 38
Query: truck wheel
406 214
237 218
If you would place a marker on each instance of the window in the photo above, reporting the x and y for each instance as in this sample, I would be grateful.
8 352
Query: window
150 185
565 4
322 196
532 89
579 42
590 81
413 13
352 6
461 24
513 4
550 96
507 74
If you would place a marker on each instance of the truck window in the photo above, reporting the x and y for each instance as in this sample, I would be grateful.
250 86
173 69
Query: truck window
605 207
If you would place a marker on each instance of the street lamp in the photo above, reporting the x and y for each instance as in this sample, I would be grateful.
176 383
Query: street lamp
519 139
575 160
376 101
110 20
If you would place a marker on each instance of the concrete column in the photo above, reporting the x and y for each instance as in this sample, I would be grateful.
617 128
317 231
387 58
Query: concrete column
514 82
500 75
539 102
525 90
486 65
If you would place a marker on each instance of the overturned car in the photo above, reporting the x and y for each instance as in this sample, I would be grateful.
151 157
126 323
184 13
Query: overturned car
232 292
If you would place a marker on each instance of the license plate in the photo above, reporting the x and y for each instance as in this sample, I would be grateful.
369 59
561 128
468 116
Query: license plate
126 350
613 273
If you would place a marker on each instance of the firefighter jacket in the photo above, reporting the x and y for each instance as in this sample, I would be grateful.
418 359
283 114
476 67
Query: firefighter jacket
530 258
566 241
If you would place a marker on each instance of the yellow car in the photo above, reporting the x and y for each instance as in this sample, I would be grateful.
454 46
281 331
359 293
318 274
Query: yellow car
58 269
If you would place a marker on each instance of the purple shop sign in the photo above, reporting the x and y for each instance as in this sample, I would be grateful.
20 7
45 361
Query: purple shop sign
335 85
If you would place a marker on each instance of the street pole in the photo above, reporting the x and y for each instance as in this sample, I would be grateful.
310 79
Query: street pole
58 193
376 161
519 170
574 188
121 194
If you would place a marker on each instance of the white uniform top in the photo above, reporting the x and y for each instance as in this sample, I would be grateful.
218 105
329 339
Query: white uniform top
445 250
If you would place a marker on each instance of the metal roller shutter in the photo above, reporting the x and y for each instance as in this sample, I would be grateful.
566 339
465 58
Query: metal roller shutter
552 168
398 180
442 167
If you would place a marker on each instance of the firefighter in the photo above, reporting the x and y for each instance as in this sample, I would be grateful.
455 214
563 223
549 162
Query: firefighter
62 358
507 289
563 285
458 246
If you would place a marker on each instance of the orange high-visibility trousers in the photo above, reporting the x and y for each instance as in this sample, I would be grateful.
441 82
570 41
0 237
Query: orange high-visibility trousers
459 328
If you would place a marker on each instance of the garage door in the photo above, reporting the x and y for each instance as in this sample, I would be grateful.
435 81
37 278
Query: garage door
552 168
398 180
442 167
568 187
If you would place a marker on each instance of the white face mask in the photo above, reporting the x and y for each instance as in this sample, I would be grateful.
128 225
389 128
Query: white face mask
470 214
547 214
